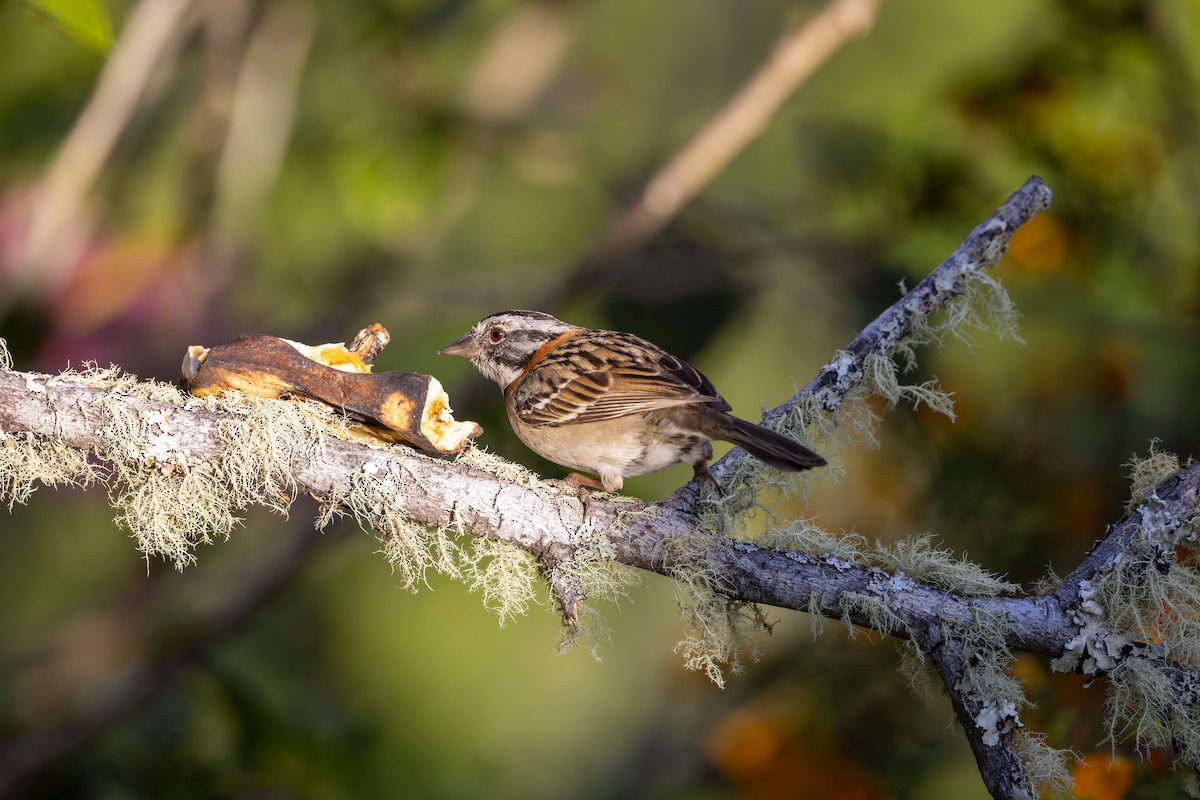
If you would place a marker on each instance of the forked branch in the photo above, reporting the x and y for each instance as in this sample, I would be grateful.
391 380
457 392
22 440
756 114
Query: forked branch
169 439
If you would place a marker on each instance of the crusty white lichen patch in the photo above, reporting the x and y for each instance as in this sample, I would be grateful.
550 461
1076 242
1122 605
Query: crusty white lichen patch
1095 648
987 682
996 719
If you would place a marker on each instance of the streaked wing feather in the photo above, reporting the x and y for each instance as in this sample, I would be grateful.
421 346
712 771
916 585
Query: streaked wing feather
604 375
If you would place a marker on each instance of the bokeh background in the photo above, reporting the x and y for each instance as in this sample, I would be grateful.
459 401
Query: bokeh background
306 167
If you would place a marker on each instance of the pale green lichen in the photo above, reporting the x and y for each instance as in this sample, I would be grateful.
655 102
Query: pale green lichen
882 374
918 558
1150 595
504 575
853 421
816 620
921 559
920 676
1148 472
600 579
805 536
172 501
874 609
169 499
1047 583
1144 705
983 305
1155 607
592 567
987 670
986 683
411 548
1048 768
508 578
598 575
979 302
1140 616
720 633
28 459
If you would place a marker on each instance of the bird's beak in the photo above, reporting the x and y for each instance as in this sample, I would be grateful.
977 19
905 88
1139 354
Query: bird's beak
462 347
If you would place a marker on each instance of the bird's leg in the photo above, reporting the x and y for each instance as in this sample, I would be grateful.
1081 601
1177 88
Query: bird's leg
582 481
700 469
583 484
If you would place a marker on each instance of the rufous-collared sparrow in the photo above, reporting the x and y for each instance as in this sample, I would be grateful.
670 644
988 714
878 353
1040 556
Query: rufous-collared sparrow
610 403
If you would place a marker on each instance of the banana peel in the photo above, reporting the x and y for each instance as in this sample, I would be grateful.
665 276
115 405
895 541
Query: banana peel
387 407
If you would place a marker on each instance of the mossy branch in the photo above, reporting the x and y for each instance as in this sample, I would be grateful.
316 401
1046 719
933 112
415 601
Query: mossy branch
181 469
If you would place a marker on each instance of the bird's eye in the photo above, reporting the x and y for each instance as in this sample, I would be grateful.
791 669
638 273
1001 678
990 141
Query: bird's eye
496 334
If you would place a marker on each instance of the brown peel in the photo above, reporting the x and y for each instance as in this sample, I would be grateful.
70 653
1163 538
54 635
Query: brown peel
389 406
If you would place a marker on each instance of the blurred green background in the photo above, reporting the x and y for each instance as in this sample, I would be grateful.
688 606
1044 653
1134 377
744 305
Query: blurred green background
306 167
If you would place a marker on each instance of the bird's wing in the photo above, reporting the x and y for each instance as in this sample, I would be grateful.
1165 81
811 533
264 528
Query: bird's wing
600 375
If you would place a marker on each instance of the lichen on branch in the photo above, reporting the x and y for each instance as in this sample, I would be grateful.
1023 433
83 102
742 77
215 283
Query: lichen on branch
1129 611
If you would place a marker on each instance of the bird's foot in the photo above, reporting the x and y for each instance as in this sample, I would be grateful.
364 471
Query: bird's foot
582 485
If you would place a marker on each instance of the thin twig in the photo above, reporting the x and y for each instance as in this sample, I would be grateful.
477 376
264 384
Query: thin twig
799 52
263 108
153 28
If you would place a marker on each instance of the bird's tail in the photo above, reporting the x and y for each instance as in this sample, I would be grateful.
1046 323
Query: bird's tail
765 444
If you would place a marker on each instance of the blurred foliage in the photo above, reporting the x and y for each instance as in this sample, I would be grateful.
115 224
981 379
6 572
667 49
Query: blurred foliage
426 162
86 21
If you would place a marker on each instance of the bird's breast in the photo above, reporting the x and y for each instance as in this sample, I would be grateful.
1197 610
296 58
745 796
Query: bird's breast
635 444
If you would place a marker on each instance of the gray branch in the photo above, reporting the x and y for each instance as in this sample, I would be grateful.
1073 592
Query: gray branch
471 501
